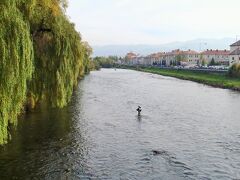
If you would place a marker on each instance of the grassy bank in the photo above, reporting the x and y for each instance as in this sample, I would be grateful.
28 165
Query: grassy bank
208 78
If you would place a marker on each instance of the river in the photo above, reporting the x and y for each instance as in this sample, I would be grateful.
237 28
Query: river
187 131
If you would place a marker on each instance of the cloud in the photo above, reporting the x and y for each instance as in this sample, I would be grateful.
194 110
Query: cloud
153 21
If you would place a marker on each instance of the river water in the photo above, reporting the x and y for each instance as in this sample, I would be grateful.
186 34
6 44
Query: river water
186 131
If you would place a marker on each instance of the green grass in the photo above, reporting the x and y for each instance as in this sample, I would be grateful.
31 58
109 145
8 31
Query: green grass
208 78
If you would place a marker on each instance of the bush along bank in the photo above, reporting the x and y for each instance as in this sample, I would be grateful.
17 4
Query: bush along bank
234 71
42 57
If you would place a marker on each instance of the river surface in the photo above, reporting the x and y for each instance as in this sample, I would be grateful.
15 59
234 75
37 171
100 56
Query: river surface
186 131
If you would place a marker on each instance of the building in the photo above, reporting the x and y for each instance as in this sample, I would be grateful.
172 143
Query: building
217 56
189 57
130 58
155 59
178 57
165 58
234 56
175 57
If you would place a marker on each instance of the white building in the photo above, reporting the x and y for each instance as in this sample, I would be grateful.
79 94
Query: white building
218 56
234 56
175 57
178 57
156 58
189 57
131 58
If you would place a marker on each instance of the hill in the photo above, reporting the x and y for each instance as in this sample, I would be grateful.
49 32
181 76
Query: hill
197 44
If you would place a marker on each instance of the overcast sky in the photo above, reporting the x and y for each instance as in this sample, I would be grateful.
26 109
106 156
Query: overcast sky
104 22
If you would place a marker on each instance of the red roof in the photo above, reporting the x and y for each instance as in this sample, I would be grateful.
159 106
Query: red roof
216 52
180 52
156 55
190 52
131 54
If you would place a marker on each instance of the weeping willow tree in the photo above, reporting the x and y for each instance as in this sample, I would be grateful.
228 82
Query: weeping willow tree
16 65
60 57
42 57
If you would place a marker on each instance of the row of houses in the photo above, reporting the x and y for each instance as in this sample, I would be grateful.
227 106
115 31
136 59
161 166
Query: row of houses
189 57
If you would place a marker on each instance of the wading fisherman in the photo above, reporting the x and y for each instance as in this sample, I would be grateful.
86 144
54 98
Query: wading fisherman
139 109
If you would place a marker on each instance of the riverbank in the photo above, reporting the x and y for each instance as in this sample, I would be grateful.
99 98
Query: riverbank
208 78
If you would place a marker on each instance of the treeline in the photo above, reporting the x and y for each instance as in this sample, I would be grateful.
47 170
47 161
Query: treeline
105 62
42 57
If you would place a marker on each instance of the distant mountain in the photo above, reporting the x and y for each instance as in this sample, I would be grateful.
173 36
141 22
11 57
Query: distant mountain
198 45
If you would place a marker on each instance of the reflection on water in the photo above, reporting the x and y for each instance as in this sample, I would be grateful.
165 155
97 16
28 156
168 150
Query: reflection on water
139 118
186 131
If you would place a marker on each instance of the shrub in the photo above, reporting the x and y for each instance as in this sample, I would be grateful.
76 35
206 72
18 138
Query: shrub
234 71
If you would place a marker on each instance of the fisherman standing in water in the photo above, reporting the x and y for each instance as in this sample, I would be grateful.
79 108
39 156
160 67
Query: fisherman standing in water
139 109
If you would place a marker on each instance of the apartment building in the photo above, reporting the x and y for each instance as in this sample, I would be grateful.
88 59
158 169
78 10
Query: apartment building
218 56
189 57
178 57
131 58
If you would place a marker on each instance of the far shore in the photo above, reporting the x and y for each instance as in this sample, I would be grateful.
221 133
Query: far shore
208 78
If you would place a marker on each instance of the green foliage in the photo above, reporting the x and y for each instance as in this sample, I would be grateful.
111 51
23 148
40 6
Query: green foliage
60 61
234 71
16 65
213 63
179 59
203 62
174 63
42 57
106 62
94 65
